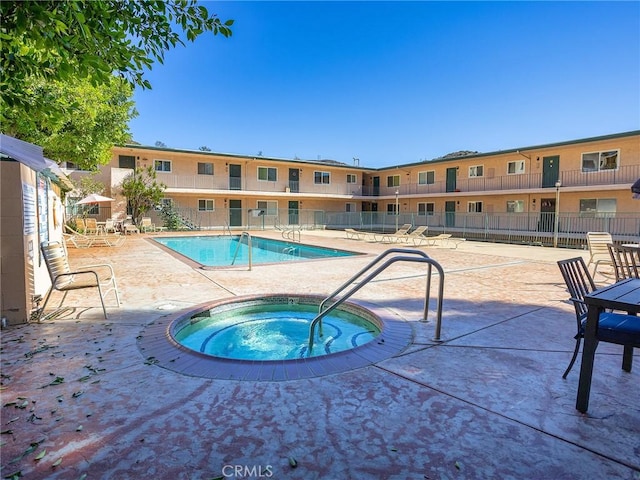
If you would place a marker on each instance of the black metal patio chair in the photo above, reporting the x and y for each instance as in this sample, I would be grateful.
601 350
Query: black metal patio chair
618 328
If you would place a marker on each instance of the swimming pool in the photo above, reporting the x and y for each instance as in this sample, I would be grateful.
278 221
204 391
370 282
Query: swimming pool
220 250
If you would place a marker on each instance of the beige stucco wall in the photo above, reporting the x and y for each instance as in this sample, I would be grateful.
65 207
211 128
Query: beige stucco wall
23 273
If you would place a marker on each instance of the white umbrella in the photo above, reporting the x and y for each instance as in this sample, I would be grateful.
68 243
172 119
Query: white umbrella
94 198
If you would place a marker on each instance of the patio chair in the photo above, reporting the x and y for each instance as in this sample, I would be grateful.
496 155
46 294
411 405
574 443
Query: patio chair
146 225
626 261
110 226
615 328
128 227
81 226
63 279
91 226
599 252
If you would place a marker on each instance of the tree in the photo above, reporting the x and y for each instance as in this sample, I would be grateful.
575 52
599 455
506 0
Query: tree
92 39
142 190
86 185
73 120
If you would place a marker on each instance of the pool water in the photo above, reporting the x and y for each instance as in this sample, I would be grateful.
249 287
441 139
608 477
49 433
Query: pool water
219 251
272 331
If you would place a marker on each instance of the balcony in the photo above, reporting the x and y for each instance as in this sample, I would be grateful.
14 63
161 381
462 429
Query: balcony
212 182
571 178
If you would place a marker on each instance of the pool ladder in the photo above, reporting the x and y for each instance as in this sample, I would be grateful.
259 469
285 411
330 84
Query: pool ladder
419 257
242 235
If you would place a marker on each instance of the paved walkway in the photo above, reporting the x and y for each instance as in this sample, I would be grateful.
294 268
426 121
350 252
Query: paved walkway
489 402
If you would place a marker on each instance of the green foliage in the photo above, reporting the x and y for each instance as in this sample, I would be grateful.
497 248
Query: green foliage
92 39
142 191
72 120
86 185
170 217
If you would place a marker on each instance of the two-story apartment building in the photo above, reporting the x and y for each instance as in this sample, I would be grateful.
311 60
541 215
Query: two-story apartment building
584 181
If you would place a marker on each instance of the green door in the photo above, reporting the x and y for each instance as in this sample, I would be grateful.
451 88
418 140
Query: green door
235 213
293 212
376 186
550 171
450 214
451 179
235 177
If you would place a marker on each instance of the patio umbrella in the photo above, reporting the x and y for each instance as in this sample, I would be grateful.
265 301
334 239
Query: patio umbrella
94 198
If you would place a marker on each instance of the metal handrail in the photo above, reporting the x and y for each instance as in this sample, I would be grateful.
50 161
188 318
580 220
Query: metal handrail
290 234
248 235
421 258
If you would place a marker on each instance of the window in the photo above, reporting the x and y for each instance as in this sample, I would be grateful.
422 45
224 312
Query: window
205 168
599 207
162 165
426 208
206 205
321 178
516 167
269 207
267 174
597 161
164 204
351 178
474 207
393 181
350 207
391 209
476 171
515 206
126 161
426 178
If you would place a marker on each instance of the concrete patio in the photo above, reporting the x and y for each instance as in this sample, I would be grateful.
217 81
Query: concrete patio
487 403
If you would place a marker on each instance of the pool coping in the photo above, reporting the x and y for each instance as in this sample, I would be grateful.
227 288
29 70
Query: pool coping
159 348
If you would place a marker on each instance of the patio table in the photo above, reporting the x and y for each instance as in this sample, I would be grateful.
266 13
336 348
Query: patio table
622 296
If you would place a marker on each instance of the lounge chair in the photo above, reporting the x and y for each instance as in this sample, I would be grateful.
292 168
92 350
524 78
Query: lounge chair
599 253
435 240
399 235
63 279
80 240
355 234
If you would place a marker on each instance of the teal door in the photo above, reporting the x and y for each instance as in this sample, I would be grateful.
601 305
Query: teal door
235 177
376 186
550 171
450 214
451 179
293 212
235 213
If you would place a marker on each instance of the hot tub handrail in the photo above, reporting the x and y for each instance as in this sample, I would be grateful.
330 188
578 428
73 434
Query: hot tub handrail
423 258
368 267
242 235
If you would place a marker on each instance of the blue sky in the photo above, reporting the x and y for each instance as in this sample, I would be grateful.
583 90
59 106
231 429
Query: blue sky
397 82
